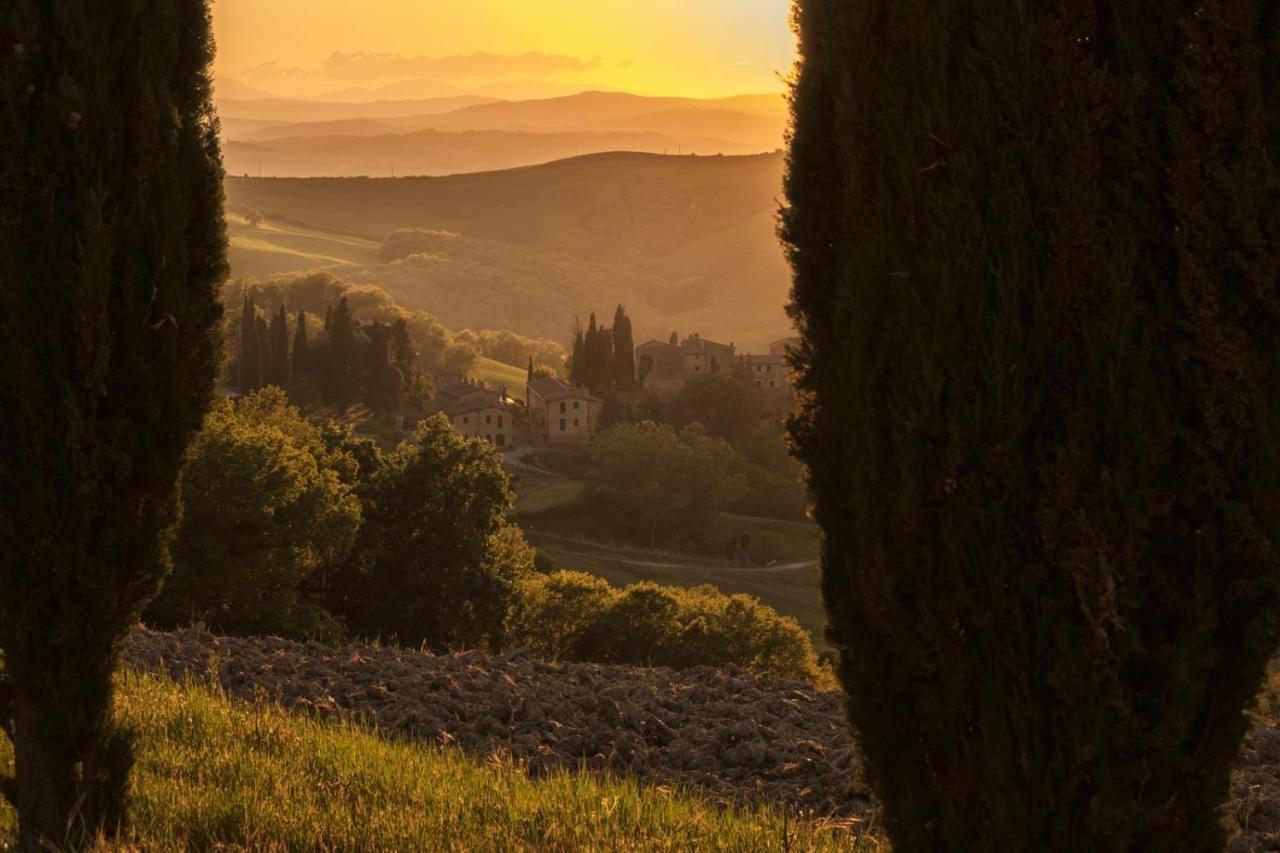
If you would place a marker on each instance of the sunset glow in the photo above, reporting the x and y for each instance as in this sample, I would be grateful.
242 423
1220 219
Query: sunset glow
705 48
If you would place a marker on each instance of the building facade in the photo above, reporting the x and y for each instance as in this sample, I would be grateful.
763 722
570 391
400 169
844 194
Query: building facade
561 415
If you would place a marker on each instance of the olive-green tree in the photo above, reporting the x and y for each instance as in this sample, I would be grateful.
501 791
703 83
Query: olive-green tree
1037 257
437 562
266 519
112 247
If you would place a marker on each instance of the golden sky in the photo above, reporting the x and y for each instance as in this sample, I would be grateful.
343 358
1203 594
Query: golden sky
699 48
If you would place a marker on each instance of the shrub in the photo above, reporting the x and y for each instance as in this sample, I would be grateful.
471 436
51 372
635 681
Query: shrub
403 242
658 485
579 617
437 561
266 518
1036 252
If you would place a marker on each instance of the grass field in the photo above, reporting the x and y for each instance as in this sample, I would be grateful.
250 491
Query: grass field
277 247
212 774
500 375
544 509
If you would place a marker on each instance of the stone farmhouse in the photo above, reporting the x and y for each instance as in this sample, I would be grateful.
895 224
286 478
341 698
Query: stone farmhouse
771 374
561 415
668 365
485 414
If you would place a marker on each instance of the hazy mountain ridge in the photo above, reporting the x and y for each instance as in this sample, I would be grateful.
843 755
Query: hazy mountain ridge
307 138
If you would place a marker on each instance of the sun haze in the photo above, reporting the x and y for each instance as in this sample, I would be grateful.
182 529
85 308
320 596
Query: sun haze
505 48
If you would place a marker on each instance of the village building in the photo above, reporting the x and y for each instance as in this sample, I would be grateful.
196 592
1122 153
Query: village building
484 414
561 415
771 375
666 366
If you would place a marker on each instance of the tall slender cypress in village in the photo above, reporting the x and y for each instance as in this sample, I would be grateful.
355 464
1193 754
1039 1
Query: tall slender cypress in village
112 247
278 335
623 364
250 359
1037 252
299 364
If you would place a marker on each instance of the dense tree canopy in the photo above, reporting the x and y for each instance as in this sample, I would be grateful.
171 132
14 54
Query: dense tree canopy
1037 253
266 518
664 485
438 560
112 247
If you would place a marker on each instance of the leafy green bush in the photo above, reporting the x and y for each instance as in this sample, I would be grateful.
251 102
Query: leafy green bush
580 617
267 515
437 561
658 485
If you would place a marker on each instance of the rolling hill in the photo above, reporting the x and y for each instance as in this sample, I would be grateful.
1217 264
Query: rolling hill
440 136
687 243
433 152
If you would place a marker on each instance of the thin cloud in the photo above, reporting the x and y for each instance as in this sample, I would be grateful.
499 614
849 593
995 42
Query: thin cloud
386 66
274 71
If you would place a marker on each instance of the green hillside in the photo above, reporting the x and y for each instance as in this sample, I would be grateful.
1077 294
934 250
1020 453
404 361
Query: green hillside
687 243
213 774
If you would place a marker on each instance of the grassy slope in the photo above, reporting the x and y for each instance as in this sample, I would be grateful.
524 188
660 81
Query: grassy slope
687 243
215 774
500 375
792 591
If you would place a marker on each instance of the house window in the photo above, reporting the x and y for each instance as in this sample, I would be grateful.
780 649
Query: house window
562 407
575 421
488 419
499 421
575 404
466 420
562 424
772 383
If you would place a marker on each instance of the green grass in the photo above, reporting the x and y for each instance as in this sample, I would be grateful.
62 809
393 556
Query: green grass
545 508
213 774
500 375
537 492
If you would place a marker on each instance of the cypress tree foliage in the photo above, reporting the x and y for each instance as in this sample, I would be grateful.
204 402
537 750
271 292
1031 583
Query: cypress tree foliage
276 366
300 364
341 354
112 248
280 347
266 351
579 357
250 349
623 364
1036 253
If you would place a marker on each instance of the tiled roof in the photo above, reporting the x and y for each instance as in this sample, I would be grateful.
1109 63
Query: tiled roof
550 389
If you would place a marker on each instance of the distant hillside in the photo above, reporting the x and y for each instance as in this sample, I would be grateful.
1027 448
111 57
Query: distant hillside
441 136
687 243
432 152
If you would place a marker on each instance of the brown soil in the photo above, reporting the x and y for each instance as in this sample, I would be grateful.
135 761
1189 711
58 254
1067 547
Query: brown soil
726 733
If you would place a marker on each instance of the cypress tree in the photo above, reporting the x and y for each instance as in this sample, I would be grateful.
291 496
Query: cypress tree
300 364
112 250
266 351
623 364
579 357
1036 253
341 326
250 349
280 345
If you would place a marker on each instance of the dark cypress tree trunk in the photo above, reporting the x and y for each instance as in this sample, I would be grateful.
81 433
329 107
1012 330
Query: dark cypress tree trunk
1037 256
112 248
